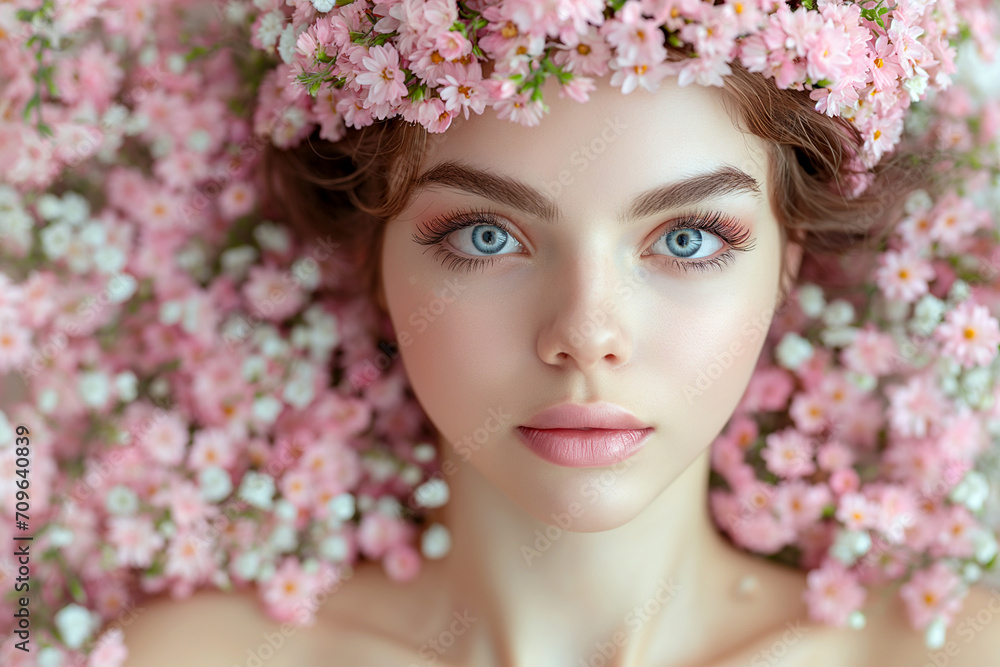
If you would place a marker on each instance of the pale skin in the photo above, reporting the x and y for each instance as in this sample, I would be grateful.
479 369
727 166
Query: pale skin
633 566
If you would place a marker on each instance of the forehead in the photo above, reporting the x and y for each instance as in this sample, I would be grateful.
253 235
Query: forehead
613 145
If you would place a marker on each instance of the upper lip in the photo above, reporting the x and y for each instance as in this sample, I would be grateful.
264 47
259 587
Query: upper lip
590 415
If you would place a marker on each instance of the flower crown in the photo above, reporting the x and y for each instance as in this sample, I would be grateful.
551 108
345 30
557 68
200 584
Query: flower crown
862 61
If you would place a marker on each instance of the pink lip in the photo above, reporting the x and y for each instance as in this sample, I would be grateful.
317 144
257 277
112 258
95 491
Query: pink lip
592 415
584 448
584 436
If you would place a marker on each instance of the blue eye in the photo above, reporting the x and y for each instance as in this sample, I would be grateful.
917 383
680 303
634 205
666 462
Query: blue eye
481 235
488 239
686 242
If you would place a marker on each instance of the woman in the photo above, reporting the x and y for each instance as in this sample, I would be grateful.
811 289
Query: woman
541 282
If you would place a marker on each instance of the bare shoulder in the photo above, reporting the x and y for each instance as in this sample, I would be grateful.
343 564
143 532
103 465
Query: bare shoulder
210 628
973 640
372 620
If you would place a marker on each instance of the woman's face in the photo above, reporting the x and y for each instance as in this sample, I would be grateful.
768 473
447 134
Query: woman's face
603 284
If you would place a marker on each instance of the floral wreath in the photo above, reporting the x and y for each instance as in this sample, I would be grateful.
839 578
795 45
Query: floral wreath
194 410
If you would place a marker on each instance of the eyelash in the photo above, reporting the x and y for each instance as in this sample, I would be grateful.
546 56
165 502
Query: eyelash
435 230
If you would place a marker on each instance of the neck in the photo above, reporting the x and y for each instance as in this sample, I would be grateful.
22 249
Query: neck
540 590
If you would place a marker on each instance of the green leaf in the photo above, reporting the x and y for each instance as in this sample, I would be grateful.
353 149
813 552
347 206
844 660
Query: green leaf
27 15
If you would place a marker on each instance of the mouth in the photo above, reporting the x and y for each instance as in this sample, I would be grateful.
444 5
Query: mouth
584 447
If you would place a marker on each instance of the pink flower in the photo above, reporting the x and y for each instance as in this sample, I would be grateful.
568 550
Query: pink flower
834 455
211 447
462 93
871 352
166 439
915 407
934 591
903 275
452 45
288 592
135 540
236 200
768 390
800 504
401 563
15 345
378 533
810 412
856 512
788 453
833 593
969 335
272 294
110 650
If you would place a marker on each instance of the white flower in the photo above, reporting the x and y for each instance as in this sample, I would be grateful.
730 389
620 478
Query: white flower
236 261
49 206
935 634
286 44
270 28
918 201
811 299
927 314
971 573
94 388
75 208
126 386
432 493
285 510
257 488
215 483
254 367
307 272
75 625
839 336
50 656
56 239
266 409
435 542
425 452
342 506
389 506
793 351
959 292
6 431
247 565
972 491
121 501
109 259
272 237
60 537
121 287
410 474
283 538
916 86
984 543
838 313
48 400
323 5
856 620
334 548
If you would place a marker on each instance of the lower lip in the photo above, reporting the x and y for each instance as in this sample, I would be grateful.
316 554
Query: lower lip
577 448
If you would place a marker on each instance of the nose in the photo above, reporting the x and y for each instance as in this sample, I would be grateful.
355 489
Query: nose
587 325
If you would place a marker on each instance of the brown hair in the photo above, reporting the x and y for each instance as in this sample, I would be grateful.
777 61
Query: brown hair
349 190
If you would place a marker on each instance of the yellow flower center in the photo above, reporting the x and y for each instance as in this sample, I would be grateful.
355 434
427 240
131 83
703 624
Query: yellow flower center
509 31
969 333
582 49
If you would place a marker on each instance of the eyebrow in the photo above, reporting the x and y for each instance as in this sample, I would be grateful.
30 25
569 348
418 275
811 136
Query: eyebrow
725 180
